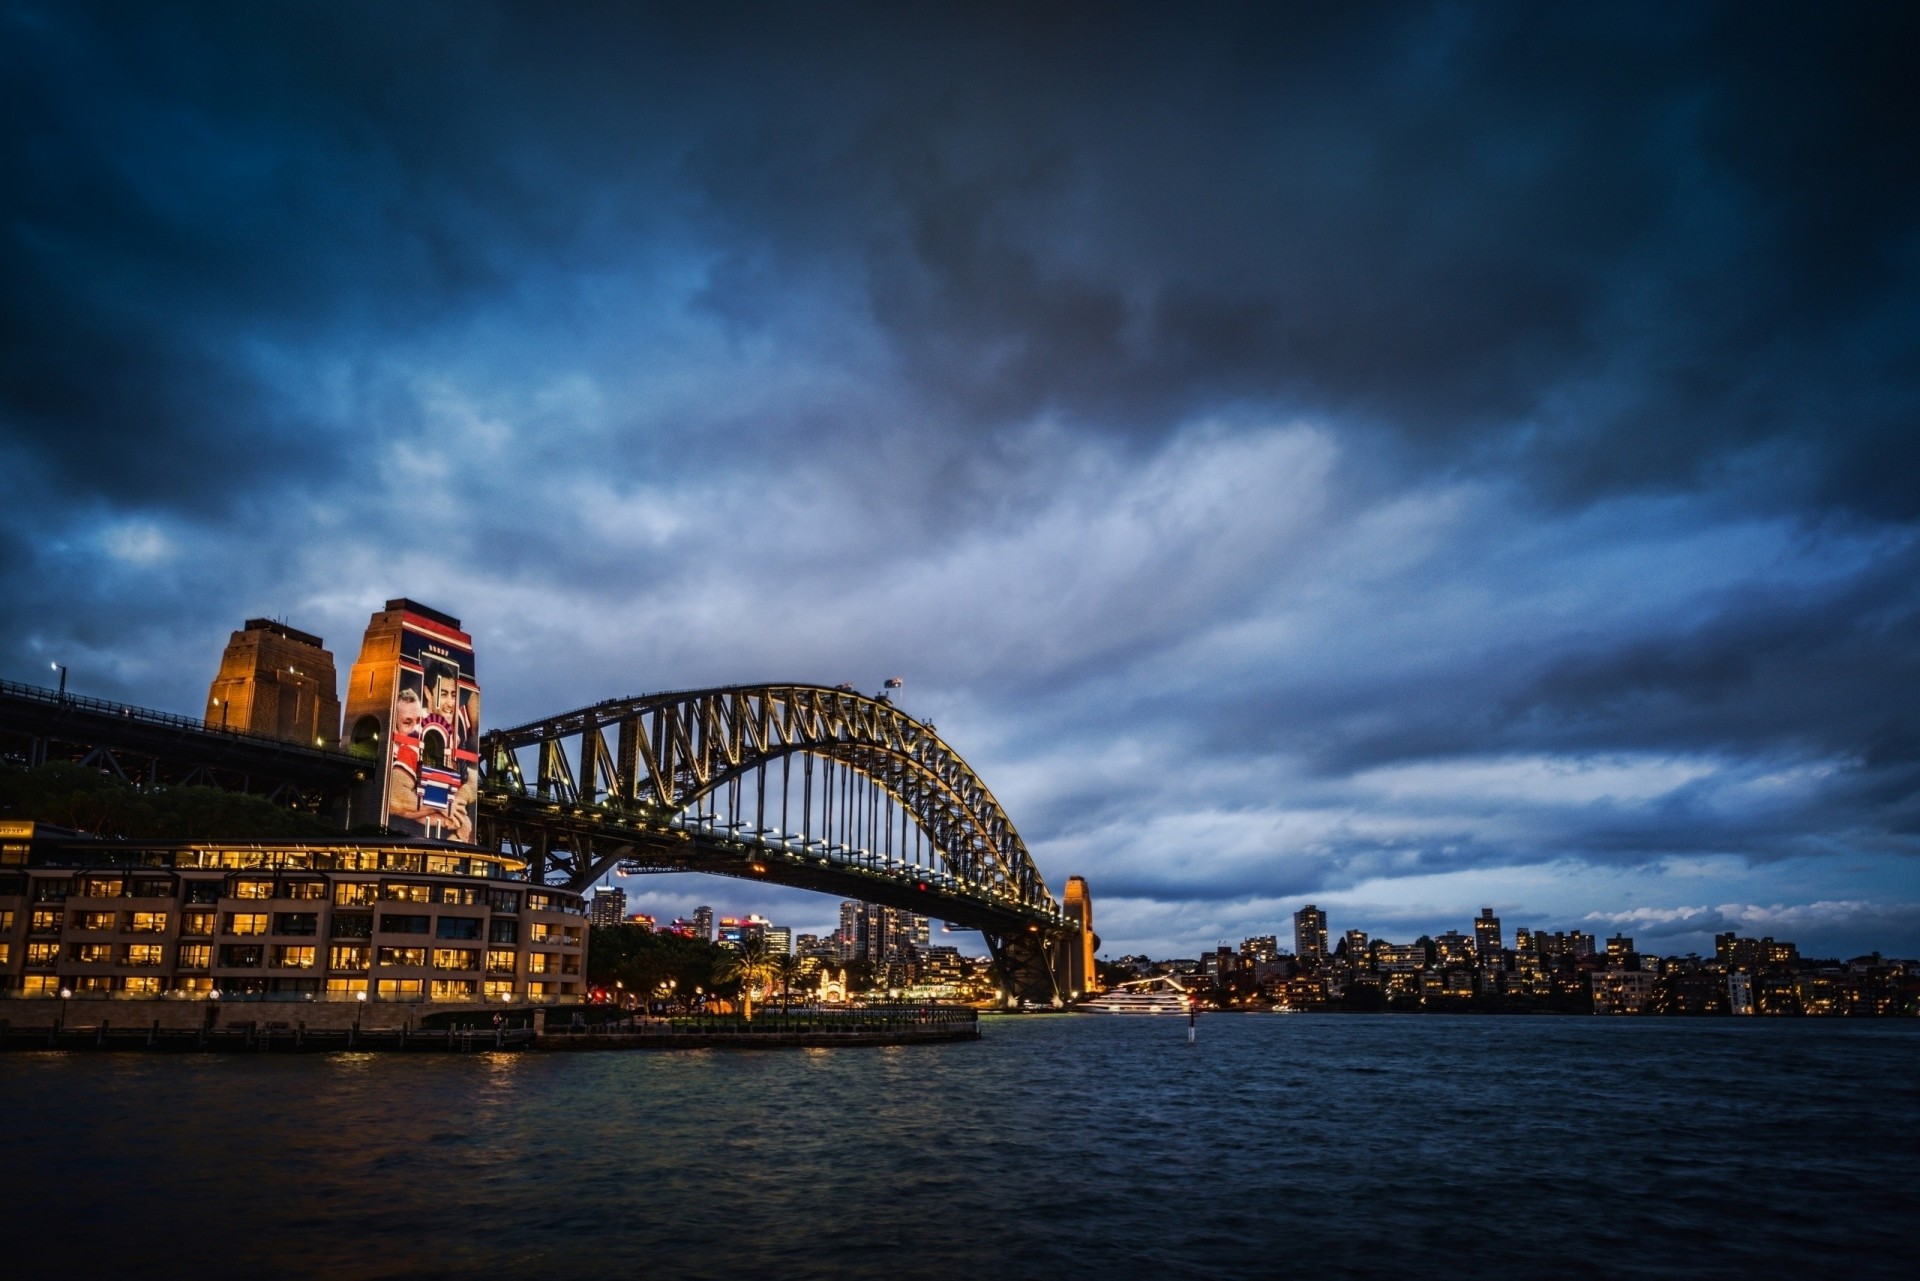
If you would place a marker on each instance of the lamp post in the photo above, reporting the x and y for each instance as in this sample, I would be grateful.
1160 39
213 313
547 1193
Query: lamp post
61 668
221 703
359 1008
66 994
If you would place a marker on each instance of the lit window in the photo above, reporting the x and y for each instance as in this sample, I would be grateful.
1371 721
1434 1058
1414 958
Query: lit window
498 990
346 957
454 989
144 953
199 924
91 953
403 956
354 893
293 957
46 920
195 956
501 961
455 958
398 892
304 889
147 922
40 985
95 920
541 963
6 921
101 887
246 922
43 954
6 954
141 985
398 989
344 989
253 889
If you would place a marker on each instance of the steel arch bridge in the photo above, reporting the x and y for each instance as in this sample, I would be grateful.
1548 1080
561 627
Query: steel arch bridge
801 785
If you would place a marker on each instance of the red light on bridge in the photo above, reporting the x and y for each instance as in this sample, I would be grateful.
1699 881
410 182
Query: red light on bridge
922 887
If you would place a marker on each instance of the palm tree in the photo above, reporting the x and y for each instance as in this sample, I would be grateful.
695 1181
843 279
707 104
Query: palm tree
788 967
751 965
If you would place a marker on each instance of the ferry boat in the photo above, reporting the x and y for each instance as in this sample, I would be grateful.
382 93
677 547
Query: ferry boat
1161 994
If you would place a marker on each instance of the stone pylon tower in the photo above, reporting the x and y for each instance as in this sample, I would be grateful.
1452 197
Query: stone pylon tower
1079 976
277 682
413 709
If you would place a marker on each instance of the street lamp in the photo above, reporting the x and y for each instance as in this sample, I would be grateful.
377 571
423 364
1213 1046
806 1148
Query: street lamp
66 994
63 679
359 1008
221 703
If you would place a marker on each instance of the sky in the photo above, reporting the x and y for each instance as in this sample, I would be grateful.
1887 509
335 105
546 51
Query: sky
1404 458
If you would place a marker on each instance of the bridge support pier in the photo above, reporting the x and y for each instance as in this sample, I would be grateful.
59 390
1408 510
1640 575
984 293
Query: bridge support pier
1032 964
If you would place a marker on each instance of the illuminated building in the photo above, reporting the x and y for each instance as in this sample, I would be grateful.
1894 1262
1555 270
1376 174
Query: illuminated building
1079 975
1310 935
703 924
641 919
1399 956
1619 948
779 939
1622 991
1260 948
609 906
413 707
1357 947
1453 949
382 921
1486 934
278 683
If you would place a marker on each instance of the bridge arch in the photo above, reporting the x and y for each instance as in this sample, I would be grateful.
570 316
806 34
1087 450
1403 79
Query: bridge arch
680 781
651 759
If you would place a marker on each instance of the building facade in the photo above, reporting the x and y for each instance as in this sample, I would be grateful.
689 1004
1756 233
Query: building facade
365 921
276 682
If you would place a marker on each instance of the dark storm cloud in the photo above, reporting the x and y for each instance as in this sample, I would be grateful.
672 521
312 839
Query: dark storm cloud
1456 435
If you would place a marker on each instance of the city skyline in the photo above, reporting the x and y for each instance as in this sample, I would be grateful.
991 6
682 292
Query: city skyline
1404 460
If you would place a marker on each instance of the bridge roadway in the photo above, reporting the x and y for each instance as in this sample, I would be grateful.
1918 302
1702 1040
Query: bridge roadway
158 748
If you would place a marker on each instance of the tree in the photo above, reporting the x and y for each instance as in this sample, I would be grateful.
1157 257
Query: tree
751 965
788 967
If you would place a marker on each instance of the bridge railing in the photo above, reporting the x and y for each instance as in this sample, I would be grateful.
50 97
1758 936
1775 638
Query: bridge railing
148 716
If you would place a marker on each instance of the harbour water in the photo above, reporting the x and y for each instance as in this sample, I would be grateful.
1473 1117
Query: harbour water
1079 1146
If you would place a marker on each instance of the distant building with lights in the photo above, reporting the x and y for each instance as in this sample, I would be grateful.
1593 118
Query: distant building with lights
1310 935
609 906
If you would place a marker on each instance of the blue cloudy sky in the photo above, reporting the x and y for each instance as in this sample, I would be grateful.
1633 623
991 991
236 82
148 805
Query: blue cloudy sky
1407 458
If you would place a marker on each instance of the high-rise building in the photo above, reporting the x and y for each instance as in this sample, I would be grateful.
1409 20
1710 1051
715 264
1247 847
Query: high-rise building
277 682
609 906
1619 948
779 940
1357 946
1310 935
1486 935
1260 948
703 923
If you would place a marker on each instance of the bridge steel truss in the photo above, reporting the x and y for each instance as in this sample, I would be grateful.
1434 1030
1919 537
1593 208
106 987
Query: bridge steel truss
799 785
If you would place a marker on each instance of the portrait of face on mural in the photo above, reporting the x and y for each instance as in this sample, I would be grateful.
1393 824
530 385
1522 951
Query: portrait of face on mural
405 814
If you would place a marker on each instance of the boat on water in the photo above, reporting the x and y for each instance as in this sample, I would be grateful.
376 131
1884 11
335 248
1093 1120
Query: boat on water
1158 995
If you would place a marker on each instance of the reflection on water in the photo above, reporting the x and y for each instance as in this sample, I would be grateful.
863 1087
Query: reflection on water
1077 1146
